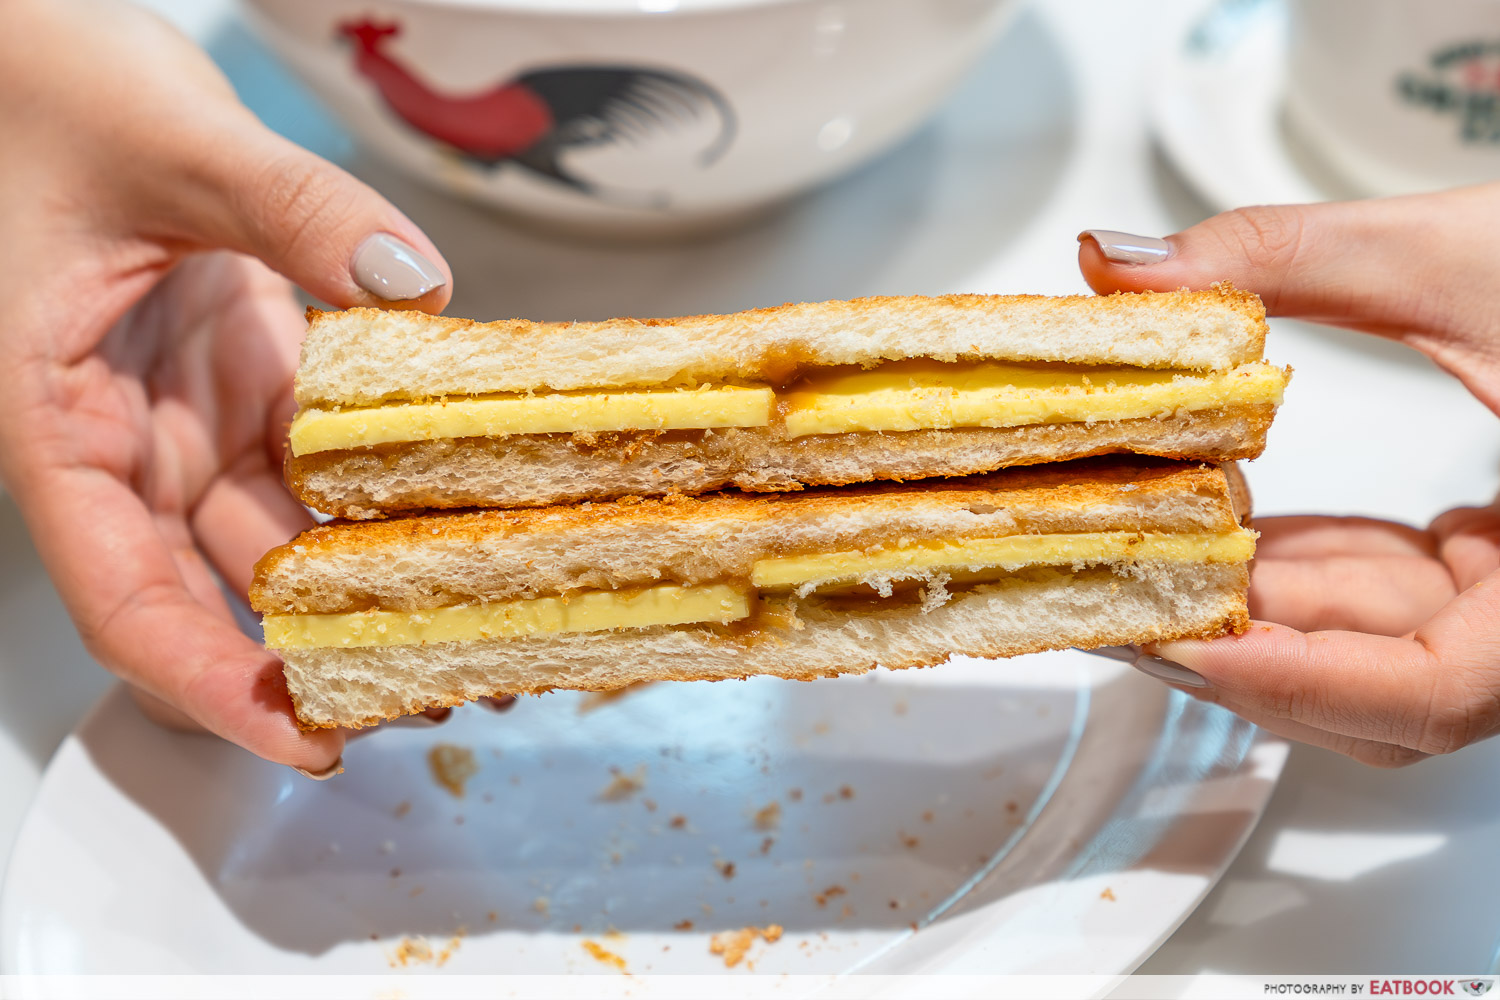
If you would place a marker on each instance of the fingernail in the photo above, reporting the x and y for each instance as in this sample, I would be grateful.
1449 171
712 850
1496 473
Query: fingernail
1165 670
337 767
391 269
1125 654
502 704
1127 248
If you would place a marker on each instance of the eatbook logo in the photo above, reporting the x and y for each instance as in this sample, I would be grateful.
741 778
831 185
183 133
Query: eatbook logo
1477 987
1461 81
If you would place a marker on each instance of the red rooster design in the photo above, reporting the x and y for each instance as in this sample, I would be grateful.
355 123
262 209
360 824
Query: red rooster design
543 118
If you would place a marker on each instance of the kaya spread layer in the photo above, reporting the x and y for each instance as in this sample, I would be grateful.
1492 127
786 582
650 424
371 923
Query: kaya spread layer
898 396
669 604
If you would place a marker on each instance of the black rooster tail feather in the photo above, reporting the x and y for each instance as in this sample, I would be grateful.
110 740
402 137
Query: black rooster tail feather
543 160
606 103
728 128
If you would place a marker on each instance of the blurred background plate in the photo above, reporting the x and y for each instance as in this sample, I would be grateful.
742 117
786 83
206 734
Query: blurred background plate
1216 108
1054 813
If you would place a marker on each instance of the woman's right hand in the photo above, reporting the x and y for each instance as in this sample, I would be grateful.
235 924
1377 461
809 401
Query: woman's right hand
1375 639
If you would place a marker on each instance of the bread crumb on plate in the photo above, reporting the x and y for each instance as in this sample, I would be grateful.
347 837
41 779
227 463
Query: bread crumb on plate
452 767
734 945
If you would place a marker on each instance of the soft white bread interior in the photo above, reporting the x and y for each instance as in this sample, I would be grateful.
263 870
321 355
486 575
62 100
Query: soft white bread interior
364 356
439 560
532 470
1030 613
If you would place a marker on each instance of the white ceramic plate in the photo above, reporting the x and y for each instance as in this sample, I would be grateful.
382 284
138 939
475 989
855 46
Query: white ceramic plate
1216 108
1047 814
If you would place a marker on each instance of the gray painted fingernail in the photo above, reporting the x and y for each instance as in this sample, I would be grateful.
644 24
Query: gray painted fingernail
1165 670
337 767
1125 654
1128 248
393 270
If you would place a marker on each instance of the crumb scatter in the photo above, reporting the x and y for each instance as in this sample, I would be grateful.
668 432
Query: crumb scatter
735 945
419 951
831 892
769 816
601 954
452 766
411 951
622 786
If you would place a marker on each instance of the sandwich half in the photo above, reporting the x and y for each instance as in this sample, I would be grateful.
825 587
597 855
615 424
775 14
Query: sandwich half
401 411
379 619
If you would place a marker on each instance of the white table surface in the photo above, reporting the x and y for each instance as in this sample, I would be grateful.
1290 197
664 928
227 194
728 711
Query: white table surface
1352 869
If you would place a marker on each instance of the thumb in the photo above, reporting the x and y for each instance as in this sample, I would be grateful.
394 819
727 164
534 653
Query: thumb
1329 262
257 193
1407 268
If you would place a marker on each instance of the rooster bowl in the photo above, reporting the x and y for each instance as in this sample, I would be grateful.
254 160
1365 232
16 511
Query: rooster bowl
630 116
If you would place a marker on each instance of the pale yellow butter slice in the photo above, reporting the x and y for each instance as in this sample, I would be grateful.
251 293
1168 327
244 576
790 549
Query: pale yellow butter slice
896 396
553 413
1009 553
922 395
591 611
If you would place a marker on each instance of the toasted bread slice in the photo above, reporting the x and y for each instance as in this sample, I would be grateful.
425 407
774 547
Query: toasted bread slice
830 581
360 357
405 411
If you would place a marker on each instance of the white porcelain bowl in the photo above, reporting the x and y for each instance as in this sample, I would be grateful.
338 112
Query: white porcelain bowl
632 116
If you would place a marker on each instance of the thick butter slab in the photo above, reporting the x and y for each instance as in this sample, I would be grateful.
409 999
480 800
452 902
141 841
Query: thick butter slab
921 395
592 611
897 396
553 413
1009 553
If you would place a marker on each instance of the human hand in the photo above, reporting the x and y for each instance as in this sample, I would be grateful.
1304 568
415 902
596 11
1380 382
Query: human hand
1374 639
146 356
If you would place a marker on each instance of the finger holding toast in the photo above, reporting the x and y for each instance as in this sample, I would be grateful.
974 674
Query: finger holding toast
1385 637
